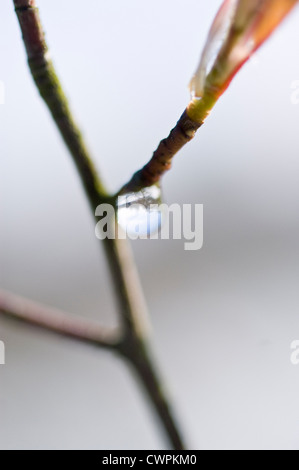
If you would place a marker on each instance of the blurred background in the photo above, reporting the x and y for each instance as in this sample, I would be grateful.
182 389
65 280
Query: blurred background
223 317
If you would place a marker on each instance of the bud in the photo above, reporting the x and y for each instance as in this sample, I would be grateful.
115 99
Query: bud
239 29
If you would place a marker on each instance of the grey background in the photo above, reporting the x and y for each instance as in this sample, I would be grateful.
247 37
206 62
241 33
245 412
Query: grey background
224 317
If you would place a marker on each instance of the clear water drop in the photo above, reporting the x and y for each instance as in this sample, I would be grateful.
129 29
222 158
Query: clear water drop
138 213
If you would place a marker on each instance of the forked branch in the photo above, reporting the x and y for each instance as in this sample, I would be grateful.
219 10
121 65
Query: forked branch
132 309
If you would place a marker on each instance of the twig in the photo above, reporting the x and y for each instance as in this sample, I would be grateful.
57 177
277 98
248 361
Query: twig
151 173
90 332
184 131
140 357
49 86
252 25
57 321
126 282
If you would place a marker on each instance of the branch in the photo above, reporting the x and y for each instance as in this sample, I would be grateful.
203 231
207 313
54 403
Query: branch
49 86
57 321
248 25
134 345
90 332
127 285
151 173
139 355
132 308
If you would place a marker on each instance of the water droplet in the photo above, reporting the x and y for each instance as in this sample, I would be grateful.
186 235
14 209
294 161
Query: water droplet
138 213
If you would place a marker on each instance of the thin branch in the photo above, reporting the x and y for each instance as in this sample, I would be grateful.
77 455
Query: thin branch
248 25
151 173
56 321
127 285
49 86
135 345
140 357
90 332
132 308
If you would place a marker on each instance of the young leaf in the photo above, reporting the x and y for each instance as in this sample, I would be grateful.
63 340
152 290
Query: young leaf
239 29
